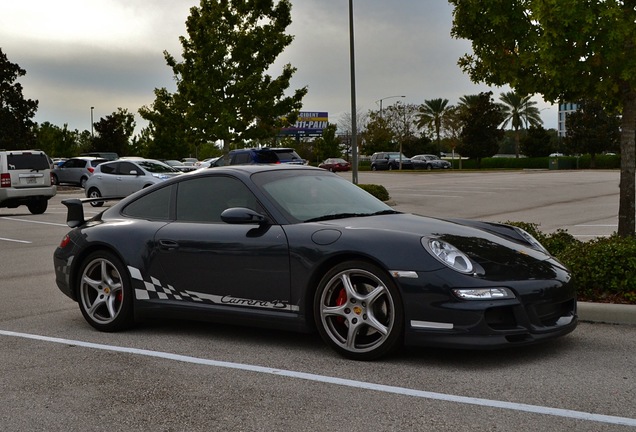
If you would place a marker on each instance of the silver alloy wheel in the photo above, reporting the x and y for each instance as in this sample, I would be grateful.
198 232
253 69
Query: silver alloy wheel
101 291
94 193
357 311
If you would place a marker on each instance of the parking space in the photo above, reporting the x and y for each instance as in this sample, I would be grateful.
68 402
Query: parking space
57 373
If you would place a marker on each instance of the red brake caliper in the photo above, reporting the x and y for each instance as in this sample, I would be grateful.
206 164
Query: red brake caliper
340 300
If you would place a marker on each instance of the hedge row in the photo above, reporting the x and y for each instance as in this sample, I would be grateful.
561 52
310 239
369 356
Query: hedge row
562 162
603 269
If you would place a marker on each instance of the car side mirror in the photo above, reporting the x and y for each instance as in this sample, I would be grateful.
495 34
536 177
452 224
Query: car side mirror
242 215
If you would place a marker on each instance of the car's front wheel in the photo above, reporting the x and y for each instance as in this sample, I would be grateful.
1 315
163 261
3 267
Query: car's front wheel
358 311
105 294
94 193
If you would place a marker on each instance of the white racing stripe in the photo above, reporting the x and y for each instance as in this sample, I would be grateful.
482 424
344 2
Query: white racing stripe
536 409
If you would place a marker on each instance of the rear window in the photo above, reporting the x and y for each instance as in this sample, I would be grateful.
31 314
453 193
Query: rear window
266 157
27 161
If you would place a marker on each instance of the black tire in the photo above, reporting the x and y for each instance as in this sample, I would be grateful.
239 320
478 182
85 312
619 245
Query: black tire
54 180
429 167
38 206
105 293
358 311
390 167
374 168
94 193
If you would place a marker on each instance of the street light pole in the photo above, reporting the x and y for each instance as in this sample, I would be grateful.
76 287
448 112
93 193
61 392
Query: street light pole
92 108
388 97
354 133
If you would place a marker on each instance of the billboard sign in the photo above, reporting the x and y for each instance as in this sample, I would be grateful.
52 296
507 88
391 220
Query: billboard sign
309 123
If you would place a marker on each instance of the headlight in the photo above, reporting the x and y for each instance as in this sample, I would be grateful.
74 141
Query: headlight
449 255
483 293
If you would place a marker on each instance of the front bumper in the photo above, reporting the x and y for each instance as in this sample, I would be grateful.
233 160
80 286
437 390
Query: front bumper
541 310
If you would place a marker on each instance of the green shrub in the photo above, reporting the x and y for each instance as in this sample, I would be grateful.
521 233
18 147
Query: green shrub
603 269
377 191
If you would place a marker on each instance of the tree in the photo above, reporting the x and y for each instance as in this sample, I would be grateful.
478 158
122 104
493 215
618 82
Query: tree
165 137
57 141
566 50
431 115
328 145
16 113
480 132
114 133
591 130
222 82
537 142
519 110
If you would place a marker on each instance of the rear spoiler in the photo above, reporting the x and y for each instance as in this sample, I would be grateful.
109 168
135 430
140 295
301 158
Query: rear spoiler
75 215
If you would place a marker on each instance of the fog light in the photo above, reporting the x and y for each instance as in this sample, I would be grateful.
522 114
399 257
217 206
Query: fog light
483 293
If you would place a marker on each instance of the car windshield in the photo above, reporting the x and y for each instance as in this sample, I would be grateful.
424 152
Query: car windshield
157 168
311 196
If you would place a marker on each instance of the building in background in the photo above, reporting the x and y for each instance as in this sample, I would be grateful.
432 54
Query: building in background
565 108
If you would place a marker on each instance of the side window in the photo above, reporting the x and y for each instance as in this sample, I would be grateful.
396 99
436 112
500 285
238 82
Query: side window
241 158
126 168
203 199
152 206
109 168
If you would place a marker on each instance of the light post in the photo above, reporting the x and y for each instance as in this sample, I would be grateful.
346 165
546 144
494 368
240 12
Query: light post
92 108
354 132
388 97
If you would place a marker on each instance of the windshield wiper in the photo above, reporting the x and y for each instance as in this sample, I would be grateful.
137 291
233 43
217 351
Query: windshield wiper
349 215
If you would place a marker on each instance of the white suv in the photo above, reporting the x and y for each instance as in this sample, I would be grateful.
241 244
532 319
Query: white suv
25 179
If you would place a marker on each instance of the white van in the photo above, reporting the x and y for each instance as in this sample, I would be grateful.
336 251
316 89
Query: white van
25 179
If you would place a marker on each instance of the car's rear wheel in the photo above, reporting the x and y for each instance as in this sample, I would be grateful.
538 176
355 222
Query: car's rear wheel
105 294
38 206
358 311
83 182
94 193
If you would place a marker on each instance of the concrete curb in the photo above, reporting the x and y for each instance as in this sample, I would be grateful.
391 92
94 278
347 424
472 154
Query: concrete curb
607 313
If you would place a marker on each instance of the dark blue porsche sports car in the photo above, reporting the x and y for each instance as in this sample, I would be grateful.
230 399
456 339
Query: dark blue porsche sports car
300 248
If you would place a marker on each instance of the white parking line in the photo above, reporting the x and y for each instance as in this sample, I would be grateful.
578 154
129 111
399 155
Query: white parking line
32 221
15 240
536 409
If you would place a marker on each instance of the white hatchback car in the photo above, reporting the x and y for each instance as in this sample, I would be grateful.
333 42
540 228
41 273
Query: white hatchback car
122 177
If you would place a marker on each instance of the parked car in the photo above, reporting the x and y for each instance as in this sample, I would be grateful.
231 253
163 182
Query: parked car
102 155
429 162
265 155
390 161
212 162
252 156
288 156
76 170
335 164
25 179
122 177
299 248
179 165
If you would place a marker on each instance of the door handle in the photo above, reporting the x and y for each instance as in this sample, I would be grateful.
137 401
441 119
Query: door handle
168 244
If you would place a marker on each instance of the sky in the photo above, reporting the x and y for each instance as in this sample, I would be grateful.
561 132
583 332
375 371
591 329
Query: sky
108 54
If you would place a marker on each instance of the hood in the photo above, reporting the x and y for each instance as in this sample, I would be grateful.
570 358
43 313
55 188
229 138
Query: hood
499 254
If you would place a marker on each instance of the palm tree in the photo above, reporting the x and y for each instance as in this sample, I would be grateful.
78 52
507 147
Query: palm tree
518 110
431 114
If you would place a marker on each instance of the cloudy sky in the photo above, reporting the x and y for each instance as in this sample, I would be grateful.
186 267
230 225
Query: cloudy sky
109 53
